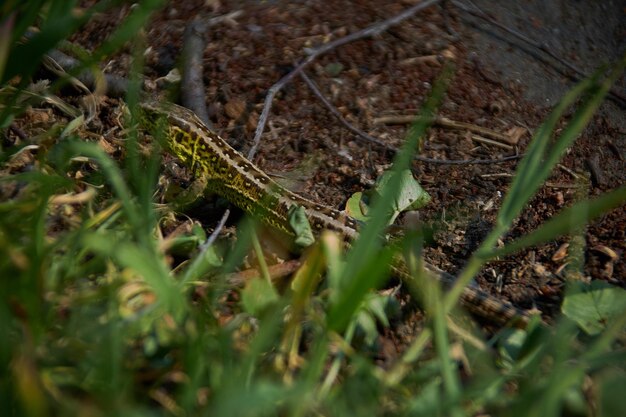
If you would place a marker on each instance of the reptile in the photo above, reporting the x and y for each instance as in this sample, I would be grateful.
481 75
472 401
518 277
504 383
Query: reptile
232 176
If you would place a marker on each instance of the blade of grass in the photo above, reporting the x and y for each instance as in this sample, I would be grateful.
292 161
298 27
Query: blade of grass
369 243
536 166
146 263
450 377
540 158
562 223
28 12
58 24
114 177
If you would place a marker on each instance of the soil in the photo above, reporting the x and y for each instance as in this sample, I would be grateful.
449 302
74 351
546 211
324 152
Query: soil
499 83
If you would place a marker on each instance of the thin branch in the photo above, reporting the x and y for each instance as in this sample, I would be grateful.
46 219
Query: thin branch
213 237
372 30
446 123
192 86
337 114
371 139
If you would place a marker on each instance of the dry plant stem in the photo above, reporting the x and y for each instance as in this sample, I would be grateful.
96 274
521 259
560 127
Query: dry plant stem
372 30
569 171
548 184
73 198
369 138
453 34
486 141
213 237
228 18
192 86
618 97
447 123
451 124
337 114
562 185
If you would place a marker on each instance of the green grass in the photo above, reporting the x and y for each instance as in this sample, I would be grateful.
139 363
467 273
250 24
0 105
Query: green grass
96 318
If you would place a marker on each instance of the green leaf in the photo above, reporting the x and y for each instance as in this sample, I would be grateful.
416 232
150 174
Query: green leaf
355 207
361 273
372 311
593 306
411 195
428 402
352 292
73 125
511 342
300 225
206 261
368 325
6 122
376 304
257 296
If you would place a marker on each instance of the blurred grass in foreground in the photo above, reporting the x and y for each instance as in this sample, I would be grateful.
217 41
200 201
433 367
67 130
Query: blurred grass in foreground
94 321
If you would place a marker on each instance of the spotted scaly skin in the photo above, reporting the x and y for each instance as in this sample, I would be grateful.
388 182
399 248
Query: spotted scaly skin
232 176
235 178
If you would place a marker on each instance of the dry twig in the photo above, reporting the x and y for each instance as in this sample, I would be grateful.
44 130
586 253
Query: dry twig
192 86
447 123
372 30
371 139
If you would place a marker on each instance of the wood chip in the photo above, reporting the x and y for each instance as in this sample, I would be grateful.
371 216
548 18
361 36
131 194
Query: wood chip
560 253
608 252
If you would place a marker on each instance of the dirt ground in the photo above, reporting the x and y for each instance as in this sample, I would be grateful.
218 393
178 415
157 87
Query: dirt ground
499 83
